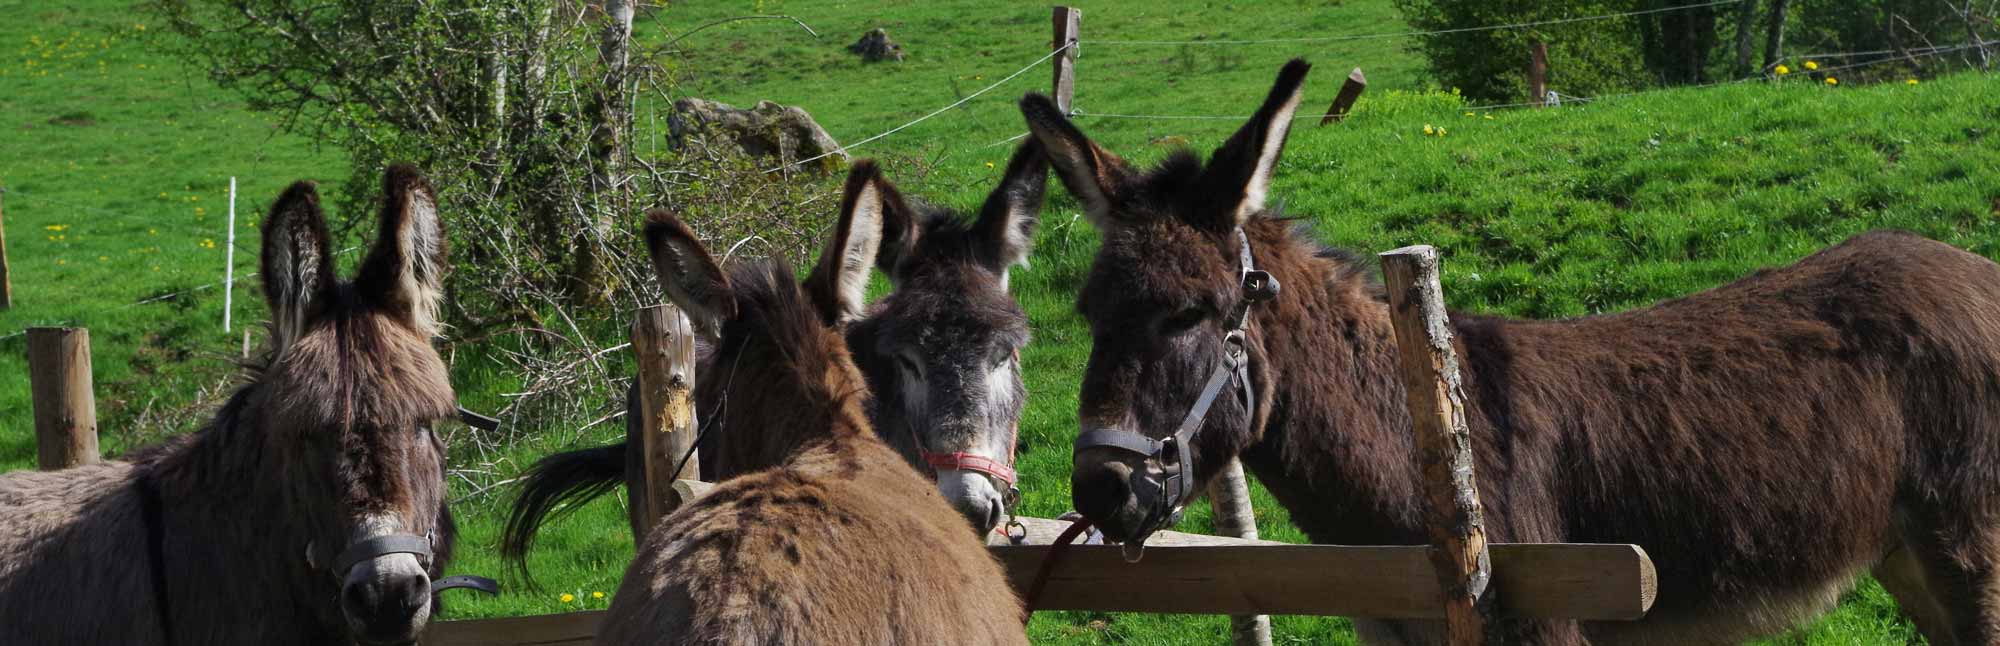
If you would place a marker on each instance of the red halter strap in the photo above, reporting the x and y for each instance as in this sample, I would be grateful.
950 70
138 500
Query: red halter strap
970 462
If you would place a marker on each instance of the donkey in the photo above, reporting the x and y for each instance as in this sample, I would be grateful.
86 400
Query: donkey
941 353
1765 441
836 540
309 510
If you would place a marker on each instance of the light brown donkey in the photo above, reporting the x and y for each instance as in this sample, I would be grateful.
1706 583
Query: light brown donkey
309 511
839 540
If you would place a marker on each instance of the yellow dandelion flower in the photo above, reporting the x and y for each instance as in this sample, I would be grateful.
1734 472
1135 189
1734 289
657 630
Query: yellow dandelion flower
1441 131
152 232
1429 130
566 597
60 261
1832 81
140 26
1910 82
989 164
200 211
1810 66
597 595
1782 70
1489 116
1468 114
103 259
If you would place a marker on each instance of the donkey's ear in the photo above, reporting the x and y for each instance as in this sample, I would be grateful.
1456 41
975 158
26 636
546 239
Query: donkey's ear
404 272
1005 231
1095 176
1239 173
869 208
297 263
689 276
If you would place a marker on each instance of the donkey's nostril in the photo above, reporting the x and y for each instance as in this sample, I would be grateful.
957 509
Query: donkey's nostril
358 599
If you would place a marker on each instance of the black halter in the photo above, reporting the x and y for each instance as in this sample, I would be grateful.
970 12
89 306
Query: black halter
1170 455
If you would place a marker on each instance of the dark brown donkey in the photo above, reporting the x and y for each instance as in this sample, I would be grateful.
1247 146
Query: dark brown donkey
940 352
836 540
1766 442
310 510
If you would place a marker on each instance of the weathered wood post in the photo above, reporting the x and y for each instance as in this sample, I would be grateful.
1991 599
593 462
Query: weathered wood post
1444 444
1068 21
1229 496
6 284
663 339
65 409
1350 91
1538 73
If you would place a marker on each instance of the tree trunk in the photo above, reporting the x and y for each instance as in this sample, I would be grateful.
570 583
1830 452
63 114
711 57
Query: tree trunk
588 276
1746 36
1774 35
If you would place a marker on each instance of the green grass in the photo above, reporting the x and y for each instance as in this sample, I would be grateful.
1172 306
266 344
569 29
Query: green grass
1540 213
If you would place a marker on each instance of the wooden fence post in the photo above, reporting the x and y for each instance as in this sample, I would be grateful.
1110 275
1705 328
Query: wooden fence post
664 341
1229 496
6 284
65 409
1067 21
1538 74
1444 444
1349 92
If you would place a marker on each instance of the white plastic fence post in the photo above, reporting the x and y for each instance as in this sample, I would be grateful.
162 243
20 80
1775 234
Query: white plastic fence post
229 261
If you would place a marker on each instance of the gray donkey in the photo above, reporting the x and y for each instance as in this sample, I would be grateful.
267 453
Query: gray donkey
941 353
310 510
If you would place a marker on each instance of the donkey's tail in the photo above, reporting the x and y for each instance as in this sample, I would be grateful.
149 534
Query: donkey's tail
573 477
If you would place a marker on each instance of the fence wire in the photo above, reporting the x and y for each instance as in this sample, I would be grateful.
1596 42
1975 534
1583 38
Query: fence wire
1414 34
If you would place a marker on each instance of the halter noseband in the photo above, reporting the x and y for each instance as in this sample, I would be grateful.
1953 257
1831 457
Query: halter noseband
1170 455
422 547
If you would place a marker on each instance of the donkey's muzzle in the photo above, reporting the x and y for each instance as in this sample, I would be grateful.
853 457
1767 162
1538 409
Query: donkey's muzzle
1112 493
388 607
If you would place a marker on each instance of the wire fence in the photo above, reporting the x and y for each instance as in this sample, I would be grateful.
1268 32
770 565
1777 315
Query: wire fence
1884 57
1415 34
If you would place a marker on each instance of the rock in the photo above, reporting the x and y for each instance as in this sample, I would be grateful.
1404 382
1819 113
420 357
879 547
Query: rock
765 130
875 46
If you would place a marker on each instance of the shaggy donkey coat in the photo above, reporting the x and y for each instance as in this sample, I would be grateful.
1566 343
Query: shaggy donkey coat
1766 442
940 353
328 442
837 540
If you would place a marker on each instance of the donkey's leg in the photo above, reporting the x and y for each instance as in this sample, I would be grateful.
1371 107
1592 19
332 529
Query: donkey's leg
1903 576
1961 563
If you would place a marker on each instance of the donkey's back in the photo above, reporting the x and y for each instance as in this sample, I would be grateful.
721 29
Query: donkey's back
845 545
67 543
1769 440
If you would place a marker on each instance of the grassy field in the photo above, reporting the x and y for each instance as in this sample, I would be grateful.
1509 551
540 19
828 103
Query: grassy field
117 163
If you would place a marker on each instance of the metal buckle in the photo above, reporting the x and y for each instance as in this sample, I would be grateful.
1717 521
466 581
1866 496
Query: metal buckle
1259 286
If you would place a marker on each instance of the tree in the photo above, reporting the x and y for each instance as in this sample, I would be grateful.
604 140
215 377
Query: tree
496 99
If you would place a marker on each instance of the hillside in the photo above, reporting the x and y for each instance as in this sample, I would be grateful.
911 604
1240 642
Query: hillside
117 163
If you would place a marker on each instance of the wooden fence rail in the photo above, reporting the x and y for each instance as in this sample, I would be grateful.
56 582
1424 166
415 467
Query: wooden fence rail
1200 574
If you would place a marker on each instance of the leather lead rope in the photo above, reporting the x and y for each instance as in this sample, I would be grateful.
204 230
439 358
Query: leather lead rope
1057 551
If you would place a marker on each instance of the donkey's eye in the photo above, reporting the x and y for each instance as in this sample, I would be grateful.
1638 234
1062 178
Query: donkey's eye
910 365
1183 320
